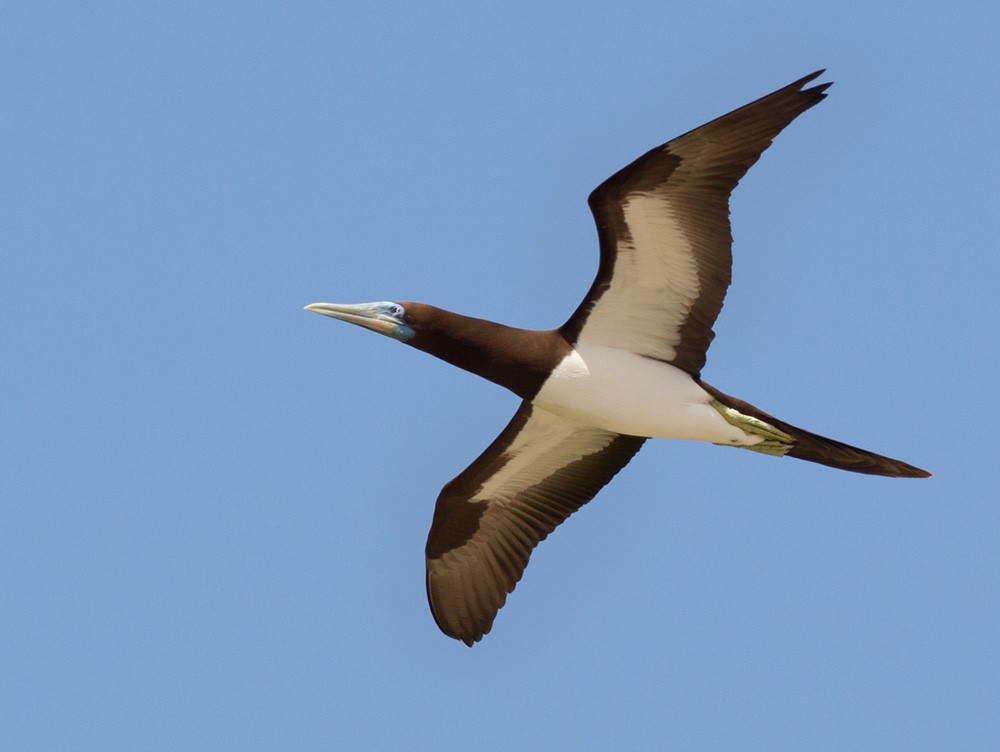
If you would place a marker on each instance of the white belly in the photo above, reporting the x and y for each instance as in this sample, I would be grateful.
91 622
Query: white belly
626 393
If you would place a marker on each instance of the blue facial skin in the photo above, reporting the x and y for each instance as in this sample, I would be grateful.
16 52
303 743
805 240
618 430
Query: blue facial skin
394 313
390 316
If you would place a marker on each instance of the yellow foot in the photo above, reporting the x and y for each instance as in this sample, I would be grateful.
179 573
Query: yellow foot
775 441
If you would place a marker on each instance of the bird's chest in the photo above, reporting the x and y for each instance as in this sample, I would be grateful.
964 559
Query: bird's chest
620 391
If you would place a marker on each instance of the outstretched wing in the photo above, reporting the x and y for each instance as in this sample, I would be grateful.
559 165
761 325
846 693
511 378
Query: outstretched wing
537 472
663 225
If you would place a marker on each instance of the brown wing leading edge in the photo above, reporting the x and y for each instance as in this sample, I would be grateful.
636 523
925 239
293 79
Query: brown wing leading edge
538 471
663 226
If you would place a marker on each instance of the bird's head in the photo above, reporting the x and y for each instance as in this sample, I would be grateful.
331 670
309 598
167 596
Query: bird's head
518 359
385 317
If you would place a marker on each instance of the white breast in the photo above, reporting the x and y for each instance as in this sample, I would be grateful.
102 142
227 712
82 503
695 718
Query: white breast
620 391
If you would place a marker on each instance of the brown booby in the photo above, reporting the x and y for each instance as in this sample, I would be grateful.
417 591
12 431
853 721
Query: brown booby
625 367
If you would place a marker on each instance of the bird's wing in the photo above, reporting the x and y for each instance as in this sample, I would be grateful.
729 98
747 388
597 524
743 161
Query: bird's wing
534 475
663 225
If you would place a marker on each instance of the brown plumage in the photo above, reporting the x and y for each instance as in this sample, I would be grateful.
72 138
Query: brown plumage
663 226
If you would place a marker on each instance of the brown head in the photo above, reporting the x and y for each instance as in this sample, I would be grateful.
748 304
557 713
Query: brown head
519 359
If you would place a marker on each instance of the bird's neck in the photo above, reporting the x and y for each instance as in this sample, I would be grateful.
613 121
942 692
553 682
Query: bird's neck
518 359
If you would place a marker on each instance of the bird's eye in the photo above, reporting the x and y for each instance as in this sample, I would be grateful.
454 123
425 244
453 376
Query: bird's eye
396 311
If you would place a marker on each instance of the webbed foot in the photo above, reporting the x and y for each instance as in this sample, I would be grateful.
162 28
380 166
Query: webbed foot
775 442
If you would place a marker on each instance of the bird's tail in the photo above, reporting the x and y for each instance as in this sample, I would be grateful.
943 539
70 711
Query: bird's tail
815 448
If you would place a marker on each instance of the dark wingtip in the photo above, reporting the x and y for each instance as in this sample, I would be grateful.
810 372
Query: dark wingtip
811 77
817 91
469 637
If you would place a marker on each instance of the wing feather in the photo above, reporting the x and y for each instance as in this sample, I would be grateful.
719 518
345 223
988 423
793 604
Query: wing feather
663 226
487 521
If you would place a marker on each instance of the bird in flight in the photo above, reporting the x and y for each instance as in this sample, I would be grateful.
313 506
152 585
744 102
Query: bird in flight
626 366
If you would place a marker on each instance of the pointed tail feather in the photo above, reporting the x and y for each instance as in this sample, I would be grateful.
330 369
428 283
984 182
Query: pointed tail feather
815 448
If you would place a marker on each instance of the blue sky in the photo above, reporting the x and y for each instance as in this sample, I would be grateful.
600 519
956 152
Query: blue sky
215 503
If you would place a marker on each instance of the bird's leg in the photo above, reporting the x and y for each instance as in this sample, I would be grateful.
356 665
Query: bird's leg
775 441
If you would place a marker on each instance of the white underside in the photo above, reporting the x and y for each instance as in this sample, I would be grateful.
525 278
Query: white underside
619 391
